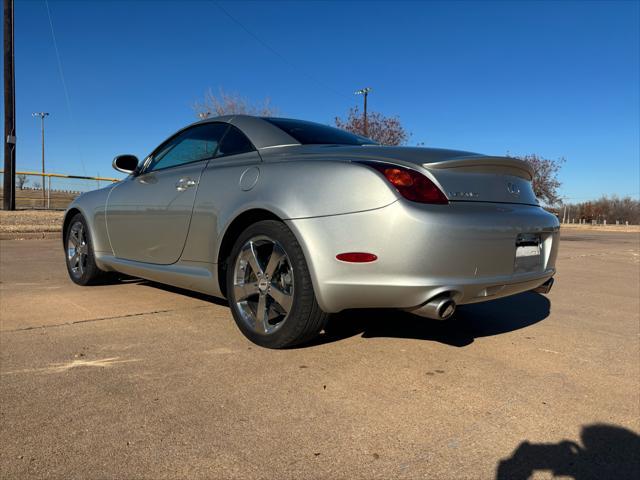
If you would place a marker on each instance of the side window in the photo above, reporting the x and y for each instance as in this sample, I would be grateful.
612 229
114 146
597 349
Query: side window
195 144
234 142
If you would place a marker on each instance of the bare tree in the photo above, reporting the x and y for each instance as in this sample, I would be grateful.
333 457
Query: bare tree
225 103
545 177
21 181
384 130
610 209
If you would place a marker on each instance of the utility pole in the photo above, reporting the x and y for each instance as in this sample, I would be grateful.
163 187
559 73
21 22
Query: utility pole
365 92
42 116
9 183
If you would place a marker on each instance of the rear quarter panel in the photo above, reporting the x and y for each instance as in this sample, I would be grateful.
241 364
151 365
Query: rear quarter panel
288 189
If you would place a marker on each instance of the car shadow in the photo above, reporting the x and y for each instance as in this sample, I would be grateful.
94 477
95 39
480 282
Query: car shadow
607 451
172 289
468 323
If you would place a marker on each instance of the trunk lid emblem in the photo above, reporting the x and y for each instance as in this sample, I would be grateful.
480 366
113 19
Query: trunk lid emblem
513 189
464 194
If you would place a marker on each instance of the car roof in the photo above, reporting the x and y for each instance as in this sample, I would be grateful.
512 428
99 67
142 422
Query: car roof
261 133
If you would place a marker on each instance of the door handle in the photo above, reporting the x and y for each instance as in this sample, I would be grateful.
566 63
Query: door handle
184 183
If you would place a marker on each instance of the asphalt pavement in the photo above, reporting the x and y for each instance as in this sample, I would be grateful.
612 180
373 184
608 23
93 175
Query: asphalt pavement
137 380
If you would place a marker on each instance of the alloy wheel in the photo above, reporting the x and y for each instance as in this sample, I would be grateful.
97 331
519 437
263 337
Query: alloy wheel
77 249
263 285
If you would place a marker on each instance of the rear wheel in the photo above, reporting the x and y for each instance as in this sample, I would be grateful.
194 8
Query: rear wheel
79 254
269 287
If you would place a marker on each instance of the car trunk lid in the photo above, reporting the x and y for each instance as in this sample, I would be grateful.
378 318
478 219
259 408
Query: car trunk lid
479 178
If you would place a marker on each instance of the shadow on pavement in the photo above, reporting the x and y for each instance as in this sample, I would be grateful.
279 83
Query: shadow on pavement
172 289
607 451
468 323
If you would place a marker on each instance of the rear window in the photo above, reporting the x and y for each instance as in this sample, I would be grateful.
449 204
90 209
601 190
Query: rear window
310 133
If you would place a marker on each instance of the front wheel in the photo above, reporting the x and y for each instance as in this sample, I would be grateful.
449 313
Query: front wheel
79 255
269 287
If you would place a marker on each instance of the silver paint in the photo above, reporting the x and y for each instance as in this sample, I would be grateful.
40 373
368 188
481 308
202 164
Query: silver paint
145 226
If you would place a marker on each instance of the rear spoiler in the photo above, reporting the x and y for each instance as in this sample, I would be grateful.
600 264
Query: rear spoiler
486 164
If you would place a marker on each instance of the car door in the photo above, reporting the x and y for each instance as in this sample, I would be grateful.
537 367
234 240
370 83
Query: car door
224 184
148 214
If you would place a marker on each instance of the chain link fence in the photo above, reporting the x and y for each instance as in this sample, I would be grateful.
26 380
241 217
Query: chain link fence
58 192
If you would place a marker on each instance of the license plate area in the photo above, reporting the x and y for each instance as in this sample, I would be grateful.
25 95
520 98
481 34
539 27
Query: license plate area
528 253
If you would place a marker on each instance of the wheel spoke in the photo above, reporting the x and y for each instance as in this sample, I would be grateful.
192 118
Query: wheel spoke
250 255
73 240
283 299
245 290
274 260
81 263
262 315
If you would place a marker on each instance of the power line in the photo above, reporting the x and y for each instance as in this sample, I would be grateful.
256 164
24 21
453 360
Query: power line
64 83
278 54
60 71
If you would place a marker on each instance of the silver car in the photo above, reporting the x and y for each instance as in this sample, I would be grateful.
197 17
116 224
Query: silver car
291 220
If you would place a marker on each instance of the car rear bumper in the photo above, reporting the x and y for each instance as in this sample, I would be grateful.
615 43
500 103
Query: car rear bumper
466 249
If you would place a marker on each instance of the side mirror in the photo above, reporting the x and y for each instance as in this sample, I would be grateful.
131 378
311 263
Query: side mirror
125 163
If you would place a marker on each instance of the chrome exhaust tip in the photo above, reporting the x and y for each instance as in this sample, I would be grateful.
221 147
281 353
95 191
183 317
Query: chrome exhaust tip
446 309
545 287
441 307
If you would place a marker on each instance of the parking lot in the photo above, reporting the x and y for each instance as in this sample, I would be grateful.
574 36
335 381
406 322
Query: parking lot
137 380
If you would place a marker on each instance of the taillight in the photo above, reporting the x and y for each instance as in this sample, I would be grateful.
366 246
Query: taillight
412 185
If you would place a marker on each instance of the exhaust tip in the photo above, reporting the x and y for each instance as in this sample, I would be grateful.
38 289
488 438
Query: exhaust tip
545 287
441 307
447 309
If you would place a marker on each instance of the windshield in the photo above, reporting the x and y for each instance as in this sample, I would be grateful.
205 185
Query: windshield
310 133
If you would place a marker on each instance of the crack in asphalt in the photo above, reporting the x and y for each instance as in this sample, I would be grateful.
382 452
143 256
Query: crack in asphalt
64 367
90 320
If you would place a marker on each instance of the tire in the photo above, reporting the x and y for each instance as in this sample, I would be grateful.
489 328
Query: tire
79 256
267 272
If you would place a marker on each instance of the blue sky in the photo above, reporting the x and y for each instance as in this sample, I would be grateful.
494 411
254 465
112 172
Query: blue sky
560 79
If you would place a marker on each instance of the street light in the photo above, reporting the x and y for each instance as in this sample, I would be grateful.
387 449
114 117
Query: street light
364 91
42 116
